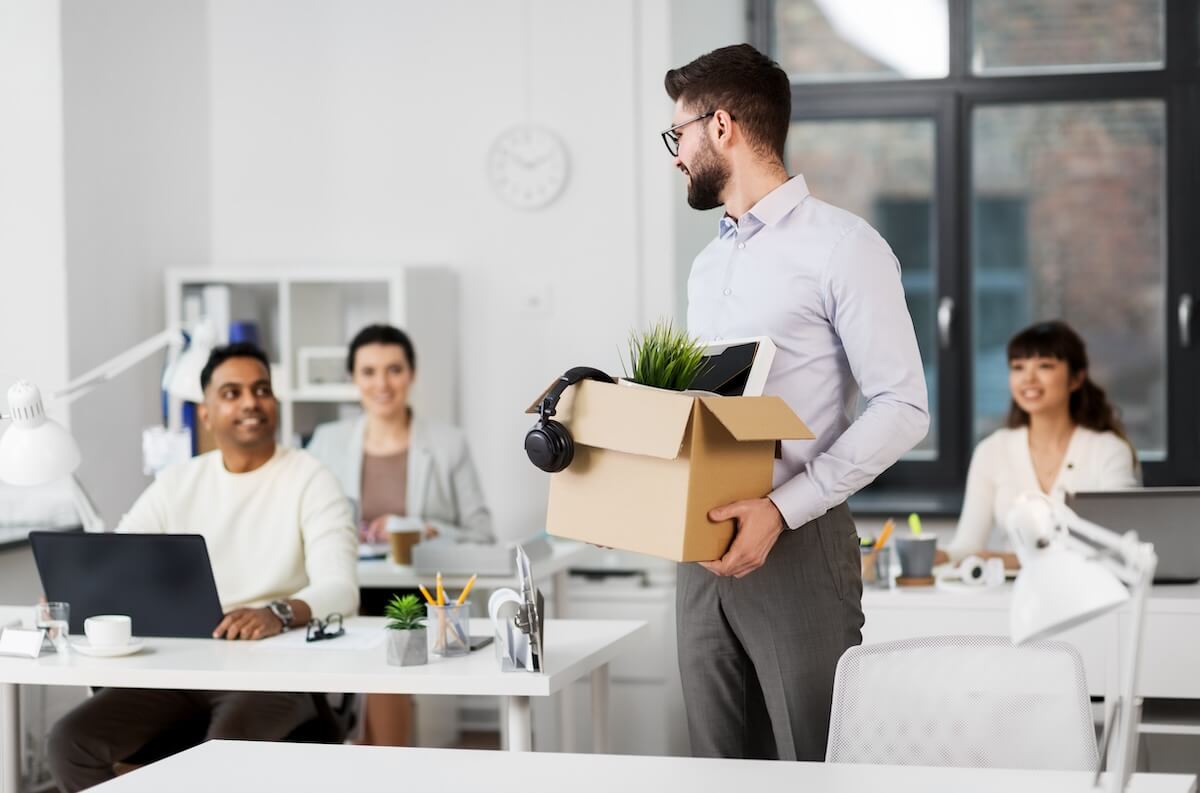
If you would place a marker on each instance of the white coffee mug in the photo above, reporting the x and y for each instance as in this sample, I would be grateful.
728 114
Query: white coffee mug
108 630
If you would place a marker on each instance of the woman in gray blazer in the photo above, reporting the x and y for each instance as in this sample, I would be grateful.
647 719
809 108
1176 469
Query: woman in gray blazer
399 468
396 465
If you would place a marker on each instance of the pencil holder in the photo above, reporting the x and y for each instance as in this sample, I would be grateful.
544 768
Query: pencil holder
883 568
449 629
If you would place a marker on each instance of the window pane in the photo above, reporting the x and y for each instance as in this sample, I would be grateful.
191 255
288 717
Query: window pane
1068 223
832 40
883 171
1056 36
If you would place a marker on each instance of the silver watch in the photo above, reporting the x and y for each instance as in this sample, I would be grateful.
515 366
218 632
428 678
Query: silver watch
283 610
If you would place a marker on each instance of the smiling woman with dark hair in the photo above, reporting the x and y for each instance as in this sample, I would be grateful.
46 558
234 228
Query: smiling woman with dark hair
1062 435
394 463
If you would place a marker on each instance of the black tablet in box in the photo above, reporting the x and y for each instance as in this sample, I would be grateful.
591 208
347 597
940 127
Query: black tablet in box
164 582
735 367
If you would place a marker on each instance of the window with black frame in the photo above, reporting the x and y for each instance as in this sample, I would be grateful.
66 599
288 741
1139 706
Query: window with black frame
1026 160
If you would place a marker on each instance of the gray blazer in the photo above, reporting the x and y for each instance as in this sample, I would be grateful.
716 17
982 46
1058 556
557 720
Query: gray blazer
442 488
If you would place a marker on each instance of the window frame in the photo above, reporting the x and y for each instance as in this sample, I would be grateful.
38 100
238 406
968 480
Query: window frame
935 486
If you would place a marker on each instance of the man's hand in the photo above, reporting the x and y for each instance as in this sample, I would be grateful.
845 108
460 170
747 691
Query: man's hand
758 525
248 624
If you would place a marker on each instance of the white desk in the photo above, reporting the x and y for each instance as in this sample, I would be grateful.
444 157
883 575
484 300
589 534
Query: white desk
234 767
1170 653
574 648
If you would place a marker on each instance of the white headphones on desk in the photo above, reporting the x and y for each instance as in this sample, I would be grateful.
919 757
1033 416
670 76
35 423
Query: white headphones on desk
974 571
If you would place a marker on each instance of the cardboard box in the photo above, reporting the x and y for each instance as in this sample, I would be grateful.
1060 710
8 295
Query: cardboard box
649 464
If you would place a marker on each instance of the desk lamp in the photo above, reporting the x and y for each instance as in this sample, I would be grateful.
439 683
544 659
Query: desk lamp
1072 571
36 449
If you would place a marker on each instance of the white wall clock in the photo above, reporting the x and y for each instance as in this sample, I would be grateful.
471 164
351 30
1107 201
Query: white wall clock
527 166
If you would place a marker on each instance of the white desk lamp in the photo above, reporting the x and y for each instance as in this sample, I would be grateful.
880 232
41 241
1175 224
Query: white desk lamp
1073 571
36 449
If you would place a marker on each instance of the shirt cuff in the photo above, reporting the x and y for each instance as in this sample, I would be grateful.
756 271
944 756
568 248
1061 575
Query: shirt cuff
798 501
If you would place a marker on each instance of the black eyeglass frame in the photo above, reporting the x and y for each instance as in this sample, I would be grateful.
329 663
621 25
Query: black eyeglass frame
671 139
329 628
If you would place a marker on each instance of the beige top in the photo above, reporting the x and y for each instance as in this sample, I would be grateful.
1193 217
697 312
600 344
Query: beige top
283 530
384 488
1002 468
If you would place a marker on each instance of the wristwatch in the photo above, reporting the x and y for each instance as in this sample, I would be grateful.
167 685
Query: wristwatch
283 610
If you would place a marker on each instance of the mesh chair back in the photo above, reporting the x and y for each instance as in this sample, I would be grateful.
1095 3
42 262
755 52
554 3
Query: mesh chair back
967 701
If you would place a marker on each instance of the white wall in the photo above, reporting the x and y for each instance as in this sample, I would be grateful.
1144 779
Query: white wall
136 151
356 132
33 305
313 133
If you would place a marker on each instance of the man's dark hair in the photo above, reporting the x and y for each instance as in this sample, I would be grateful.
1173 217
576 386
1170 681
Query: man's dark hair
744 83
382 334
219 355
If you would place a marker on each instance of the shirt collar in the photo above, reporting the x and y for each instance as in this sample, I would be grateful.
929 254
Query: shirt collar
771 208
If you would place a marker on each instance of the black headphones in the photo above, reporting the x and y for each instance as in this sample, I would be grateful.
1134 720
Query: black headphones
549 445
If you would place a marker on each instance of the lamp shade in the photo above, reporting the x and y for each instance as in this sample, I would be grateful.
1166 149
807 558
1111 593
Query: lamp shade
1060 585
1058 589
35 449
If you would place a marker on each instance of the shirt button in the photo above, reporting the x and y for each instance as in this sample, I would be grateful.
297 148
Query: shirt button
729 291
741 245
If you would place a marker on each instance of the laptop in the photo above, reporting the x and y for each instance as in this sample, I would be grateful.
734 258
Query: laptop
164 582
1168 517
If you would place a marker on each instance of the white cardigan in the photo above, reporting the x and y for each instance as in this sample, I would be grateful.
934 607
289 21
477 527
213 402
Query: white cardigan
1002 468
442 487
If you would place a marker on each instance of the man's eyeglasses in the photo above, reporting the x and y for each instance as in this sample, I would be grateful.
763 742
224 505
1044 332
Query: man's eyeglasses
671 136
328 628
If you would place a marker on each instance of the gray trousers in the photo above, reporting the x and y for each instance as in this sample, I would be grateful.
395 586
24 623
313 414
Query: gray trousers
115 723
757 655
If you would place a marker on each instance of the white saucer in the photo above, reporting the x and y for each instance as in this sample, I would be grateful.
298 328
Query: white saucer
83 646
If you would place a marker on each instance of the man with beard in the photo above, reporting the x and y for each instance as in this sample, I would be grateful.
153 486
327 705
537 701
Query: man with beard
761 629
283 549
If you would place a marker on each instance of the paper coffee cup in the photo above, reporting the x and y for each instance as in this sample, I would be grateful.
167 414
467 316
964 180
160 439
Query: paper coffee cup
402 544
108 630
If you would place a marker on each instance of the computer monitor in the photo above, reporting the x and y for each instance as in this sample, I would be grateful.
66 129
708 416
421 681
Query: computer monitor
164 582
1168 517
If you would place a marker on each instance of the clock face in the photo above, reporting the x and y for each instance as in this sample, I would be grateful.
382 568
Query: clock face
527 166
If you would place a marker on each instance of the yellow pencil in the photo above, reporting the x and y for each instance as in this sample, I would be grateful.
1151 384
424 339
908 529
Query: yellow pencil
883 535
441 593
462 598
428 597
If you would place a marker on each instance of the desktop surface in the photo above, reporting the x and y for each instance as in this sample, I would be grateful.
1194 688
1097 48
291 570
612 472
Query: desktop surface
355 663
307 767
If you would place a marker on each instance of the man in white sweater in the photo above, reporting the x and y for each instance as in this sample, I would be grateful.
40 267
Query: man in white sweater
283 547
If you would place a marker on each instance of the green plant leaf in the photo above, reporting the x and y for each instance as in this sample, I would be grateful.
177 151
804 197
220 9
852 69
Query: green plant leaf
405 613
664 357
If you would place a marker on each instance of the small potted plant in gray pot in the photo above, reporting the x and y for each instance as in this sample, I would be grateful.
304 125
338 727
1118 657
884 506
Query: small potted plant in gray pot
406 643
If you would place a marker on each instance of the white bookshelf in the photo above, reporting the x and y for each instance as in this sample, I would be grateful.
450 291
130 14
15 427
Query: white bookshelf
295 309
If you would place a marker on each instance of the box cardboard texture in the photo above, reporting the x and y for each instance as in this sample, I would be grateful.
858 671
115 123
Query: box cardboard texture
650 463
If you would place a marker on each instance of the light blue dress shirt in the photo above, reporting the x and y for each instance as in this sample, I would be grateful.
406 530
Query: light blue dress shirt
825 287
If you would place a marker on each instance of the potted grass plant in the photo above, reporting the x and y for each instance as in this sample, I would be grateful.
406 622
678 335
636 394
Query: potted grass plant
664 357
406 645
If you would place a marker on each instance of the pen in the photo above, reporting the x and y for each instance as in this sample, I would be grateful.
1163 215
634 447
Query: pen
914 523
428 597
462 598
441 593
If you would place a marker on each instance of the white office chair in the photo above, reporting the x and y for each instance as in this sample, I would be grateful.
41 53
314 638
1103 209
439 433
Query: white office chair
967 701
